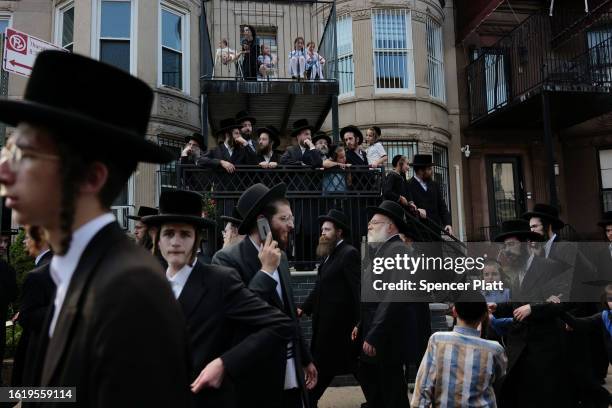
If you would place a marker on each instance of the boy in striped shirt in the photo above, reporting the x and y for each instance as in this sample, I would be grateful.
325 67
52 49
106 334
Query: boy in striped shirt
459 368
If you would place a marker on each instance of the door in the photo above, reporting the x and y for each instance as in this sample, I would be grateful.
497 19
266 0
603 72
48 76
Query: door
505 189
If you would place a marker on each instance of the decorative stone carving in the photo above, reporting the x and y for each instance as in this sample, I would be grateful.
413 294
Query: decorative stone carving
361 14
173 108
419 16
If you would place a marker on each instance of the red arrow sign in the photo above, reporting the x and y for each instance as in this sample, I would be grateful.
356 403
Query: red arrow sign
13 62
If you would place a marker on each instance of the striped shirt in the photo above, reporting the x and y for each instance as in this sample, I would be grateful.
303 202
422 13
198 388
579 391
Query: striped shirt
458 370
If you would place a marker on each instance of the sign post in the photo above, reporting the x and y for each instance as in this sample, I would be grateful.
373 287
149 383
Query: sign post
3 91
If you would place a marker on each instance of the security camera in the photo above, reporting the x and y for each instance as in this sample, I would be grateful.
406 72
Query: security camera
466 150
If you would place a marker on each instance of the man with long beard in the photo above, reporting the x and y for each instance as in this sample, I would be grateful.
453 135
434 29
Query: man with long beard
322 143
232 151
263 266
334 303
268 139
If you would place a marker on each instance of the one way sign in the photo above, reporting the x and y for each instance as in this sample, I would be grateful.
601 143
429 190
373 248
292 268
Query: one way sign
20 51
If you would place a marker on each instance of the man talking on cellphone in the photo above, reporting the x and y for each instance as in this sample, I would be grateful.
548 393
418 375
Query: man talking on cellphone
263 265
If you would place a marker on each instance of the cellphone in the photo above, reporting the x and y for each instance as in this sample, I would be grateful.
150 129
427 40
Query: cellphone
264 228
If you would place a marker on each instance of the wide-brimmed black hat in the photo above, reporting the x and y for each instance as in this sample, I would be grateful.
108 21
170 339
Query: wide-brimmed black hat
198 138
272 131
179 206
606 220
339 219
547 212
78 97
321 135
227 124
355 130
143 211
253 200
299 125
517 228
234 218
422 160
245 115
392 210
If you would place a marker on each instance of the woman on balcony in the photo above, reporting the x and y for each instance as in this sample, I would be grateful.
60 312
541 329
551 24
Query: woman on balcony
249 53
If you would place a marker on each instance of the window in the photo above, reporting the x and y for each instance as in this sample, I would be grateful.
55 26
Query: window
167 172
5 21
64 27
600 50
116 25
174 61
605 169
435 59
495 79
393 50
440 171
346 78
404 147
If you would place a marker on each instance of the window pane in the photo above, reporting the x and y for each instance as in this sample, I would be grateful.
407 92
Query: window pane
390 29
395 147
606 178
115 19
172 68
67 27
391 70
116 53
3 25
171 30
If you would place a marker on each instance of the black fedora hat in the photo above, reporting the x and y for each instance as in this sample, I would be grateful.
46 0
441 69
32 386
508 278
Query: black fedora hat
606 220
422 160
245 115
517 228
234 218
355 130
143 211
179 206
392 210
299 125
198 138
227 124
77 97
547 212
272 131
338 218
322 135
253 200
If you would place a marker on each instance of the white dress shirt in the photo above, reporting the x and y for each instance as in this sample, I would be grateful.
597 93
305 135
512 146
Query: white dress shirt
421 182
63 266
549 245
267 157
39 257
178 281
229 149
291 381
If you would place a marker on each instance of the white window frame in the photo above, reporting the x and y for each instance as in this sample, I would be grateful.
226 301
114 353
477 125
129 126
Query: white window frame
346 55
97 25
59 22
410 89
7 15
185 32
435 59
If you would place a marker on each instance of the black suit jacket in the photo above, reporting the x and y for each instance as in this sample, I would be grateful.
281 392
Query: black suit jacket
275 157
293 156
355 159
431 200
8 293
240 156
395 187
334 306
120 333
266 389
217 306
37 297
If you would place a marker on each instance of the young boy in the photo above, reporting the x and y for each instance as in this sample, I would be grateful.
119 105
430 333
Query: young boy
459 368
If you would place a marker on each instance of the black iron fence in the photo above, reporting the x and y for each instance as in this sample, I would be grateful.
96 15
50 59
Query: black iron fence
256 40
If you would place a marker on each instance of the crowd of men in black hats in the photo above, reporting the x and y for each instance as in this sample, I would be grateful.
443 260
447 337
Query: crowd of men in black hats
155 323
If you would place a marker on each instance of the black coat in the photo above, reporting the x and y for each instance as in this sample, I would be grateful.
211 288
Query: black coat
265 390
293 157
334 306
396 186
8 293
275 157
398 330
431 200
240 156
37 297
120 333
217 305
355 159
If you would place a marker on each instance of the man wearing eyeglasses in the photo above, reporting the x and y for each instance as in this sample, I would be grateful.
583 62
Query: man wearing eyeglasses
262 263
115 331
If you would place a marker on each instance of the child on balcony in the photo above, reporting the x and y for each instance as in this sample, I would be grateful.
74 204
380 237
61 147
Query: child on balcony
314 62
267 62
224 53
297 59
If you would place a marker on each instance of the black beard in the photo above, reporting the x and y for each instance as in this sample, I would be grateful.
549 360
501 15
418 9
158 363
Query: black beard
264 150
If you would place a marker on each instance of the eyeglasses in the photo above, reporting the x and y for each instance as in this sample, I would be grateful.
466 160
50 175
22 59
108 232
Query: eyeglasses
377 222
14 155
287 219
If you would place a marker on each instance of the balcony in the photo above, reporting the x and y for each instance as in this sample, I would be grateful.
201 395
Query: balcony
273 96
506 81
